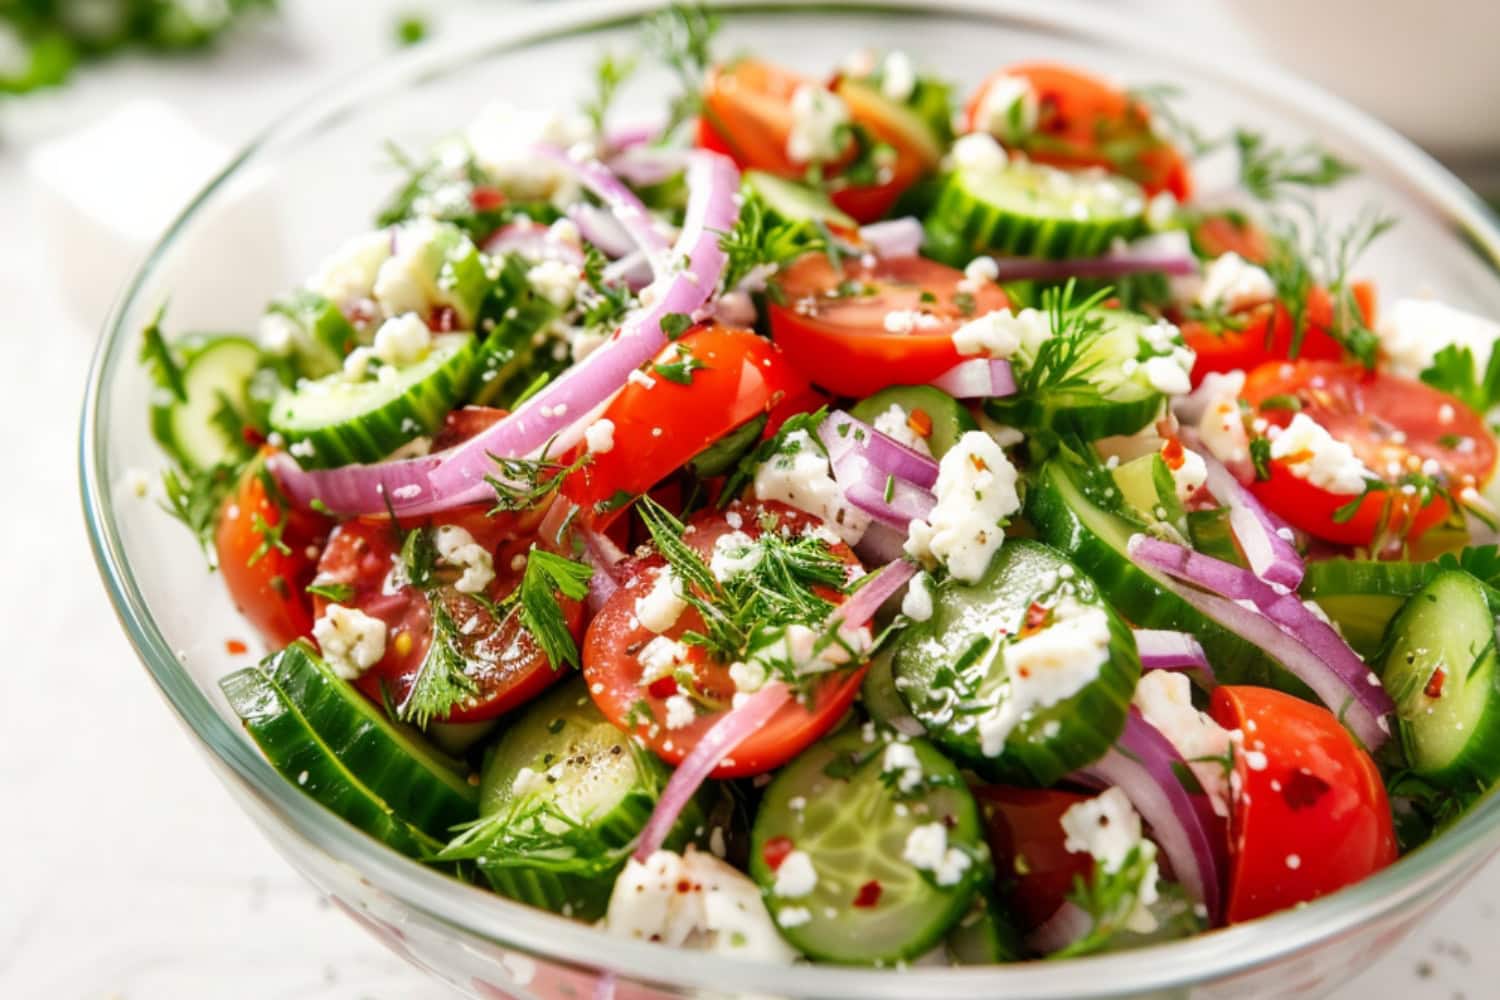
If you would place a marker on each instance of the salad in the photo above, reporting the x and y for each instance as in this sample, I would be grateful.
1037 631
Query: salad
835 523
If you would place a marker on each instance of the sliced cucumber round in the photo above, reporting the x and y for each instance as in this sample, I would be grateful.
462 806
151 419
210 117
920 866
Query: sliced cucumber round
1211 534
334 421
946 417
1097 540
423 787
1031 210
1443 671
951 669
1110 395
1361 596
512 324
322 334
296 751
788 201
846 812
216 373
881 699
564 796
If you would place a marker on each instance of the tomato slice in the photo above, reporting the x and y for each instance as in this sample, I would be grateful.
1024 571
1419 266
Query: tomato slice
1393 424
1223 232
1311 815
502 657
1083 121
1266 334
267 581
1024 827
832 324
613 669
747 116
661 422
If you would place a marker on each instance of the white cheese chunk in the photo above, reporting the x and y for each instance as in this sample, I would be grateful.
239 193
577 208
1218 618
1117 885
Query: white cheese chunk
900 761
978 152
457 548
1108 828
796 877
895 423
402 340
1165 700
503 140
927 849
976 493
917 603
663 604
351 641
660 657
599 438
348 274
680 711
819 118
1311 453
1413 331
1232 282
735 553
898 76
1009 108
798 475
1001 333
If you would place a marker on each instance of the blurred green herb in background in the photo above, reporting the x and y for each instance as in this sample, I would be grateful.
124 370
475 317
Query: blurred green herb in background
42 41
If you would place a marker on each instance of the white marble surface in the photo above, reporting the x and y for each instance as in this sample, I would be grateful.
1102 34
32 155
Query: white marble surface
128 873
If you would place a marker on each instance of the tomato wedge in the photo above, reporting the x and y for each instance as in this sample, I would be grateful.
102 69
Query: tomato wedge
1034 869
660 422
833 322
1311 815
501 656
1083 121
747 116
613 669
1265 334
1394 425
267 565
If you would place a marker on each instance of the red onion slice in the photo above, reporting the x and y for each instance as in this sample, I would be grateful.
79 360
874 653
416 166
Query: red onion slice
891 501
534 242
1270 554
843 434
893 237
627 208
1117 266
1166 650
1145 766
977 378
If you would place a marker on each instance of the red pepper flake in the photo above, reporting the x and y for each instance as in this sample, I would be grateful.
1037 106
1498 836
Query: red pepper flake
235 647
684 886
868 895
486 199
1171 453
1434 688
775 850
920 423
253 437
1036 619
662 687
978 463
444 319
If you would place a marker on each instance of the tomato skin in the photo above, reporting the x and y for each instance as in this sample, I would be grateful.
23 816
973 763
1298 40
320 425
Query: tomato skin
1024 828
660 426
1314 819
271 590
1267 334
842 343
1218 234
1079 116
504 660
1384 419
613 670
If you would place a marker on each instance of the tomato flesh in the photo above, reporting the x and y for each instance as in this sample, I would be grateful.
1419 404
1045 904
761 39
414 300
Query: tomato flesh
1024 828
1266 334
612 667
1394 426
832 322
1313 819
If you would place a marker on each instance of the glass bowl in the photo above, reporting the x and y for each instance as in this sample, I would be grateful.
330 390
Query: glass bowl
315 178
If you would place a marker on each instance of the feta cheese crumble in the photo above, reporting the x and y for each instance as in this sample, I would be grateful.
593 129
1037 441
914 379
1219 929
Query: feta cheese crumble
1413 331
503 140
1190 472
1108 828
599 438
402 340
348 274
819 119
917 604
1001 333
900 760
1165 700
458 549
663 604
798 475
1232 282
1009 109
898 76
978 152
680 711
351 641
895 423
660 657
1313 454
735 553
976 493
796 877
555 280
927 850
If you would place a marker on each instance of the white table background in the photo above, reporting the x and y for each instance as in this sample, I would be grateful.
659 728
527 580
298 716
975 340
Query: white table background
125 871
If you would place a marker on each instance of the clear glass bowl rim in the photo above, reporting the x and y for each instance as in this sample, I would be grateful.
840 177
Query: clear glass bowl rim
1175 965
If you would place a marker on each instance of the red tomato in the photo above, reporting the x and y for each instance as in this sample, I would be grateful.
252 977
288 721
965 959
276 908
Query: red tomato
1084 122
1024 827
1393 424
1313 819
612 667
661 424
1221 233
1267 334
833 323
747 116
463 423
502 657
267 572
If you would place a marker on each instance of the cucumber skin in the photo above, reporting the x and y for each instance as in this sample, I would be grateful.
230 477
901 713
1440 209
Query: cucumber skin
1144 599
1089 721
372 435
805 777
1364 596
950 420
328 334
790 202
167 416
424 790
509 320
1477 756
985 935
295 751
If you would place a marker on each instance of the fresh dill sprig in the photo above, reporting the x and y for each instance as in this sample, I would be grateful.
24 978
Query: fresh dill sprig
547 575
1329 258
1061 360
523 483
442 683
159 359
334 591
1110 897
1269 173
1160 99
682 37
195 497
606 304
755 244
610 73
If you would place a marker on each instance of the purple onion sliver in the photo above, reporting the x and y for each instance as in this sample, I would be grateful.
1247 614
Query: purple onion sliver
857 611
602 229
843 434
1161 649
977 378
1272 557
600 180
894 237
1028 269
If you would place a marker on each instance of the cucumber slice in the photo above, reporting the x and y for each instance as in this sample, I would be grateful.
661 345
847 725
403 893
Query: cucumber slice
1116 396
216 371
952 674
442 261
1031 210
985 935
948 417
1148 487
1096 539
839 805
295 750
881 699
321 334
333 421
788 201
564 796
1211 534
427 790
1361 596
512 321
1443 671
720 458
